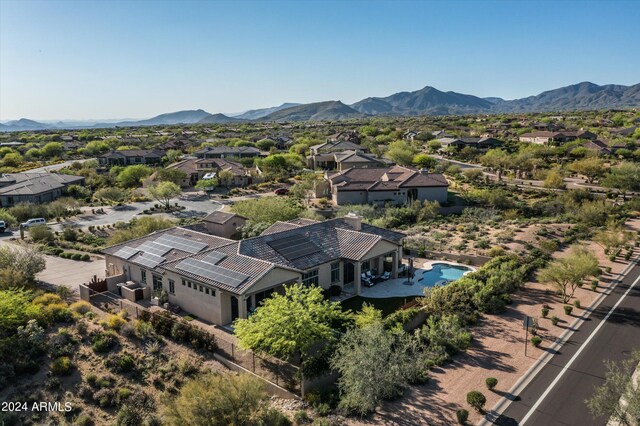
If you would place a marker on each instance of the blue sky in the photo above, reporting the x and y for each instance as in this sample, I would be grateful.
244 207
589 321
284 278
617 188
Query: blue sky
134 59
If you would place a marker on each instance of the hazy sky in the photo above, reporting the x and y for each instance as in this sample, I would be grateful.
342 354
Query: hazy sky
135 59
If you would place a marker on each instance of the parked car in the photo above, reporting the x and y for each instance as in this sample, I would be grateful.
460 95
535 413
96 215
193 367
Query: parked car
281 191
34 222
3 226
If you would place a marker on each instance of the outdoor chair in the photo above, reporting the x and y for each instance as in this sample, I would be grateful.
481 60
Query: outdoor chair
386 275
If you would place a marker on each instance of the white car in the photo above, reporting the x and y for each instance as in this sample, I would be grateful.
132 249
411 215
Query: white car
34 222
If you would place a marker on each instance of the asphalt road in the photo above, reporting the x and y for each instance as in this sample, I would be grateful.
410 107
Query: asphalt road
54 167
557 394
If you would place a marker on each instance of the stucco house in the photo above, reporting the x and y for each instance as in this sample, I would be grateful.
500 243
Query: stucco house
131 157
547 138
220 280
34 187
481 143
393 185
328 155
223 224
224 151
196 168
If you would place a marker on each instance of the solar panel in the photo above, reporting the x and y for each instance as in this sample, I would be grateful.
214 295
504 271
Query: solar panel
212 272
180 243
294 246
154 248
126 252
214 257
149 260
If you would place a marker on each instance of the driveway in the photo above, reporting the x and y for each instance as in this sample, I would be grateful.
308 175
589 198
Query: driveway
70 273
54 167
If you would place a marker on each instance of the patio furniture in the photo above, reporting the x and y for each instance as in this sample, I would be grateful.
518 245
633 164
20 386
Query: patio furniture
386 275
366 280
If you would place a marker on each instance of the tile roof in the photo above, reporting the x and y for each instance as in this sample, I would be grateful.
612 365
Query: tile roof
16 184
134 153
229 150
332 146
221 217
385 178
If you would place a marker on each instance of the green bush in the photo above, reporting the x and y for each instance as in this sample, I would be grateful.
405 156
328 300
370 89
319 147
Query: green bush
61 366
577 304
81 307
76 256
104 341
85 257
462 416
555 320
41 234
274 417
536 341
92 379
491 382
545 312
323 409
568 309
83 420
594 285
301 417
476 400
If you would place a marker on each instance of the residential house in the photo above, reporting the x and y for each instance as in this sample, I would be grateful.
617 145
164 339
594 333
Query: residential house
34 187
546 138
410 135
599 146
393 185
345 136
481 143
440 134
224 151
220 280
129 157
323 156
197 168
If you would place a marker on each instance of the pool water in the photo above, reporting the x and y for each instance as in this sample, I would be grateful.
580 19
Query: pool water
441 272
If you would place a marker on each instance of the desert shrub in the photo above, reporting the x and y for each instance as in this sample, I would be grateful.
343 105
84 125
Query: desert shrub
47 299
105 397
476 400
462 416
113 322
104 341
41 234
81 307
568 309
577 304
120 363
61 344
85 258
555 320
446 332
273 417
491 382
83 420
57 312
61 366
545 312
536 341
76 256
301 417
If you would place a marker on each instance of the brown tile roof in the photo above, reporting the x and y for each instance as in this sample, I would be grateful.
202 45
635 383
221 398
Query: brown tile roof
221 217
387 178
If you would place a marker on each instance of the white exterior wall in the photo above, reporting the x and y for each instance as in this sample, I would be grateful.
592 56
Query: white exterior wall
194 301
433 194
349 197
383 197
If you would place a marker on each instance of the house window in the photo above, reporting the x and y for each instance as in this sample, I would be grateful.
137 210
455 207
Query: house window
189 284
184 282
201 289
310 278
335 272
143 276
172 287
157 282
206 290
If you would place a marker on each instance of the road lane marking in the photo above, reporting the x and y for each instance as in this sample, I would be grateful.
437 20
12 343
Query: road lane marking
576 355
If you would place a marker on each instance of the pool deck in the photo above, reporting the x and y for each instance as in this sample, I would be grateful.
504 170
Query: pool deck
401 287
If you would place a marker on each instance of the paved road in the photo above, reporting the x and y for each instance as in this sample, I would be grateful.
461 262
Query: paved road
557 394
54 167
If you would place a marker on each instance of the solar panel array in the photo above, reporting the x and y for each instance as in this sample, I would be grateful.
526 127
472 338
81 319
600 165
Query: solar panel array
126 252
154 248
212 272
149 260
180 243
214 257
294 246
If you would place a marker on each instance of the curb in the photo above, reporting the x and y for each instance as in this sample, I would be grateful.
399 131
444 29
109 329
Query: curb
533 371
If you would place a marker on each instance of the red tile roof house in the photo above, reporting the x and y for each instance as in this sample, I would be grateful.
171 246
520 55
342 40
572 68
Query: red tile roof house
380 186
219 280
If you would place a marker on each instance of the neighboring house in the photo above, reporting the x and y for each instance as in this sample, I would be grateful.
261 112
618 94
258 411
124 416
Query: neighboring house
220 280
345 136
410 135
345 160
223 224
323 156
129 157
546 138
229 151
177 144
394 185
196 168
11 144
599 146
34 187
477 143
626 132
440 134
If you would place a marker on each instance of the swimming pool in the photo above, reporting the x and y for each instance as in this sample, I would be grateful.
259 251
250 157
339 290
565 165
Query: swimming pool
440 273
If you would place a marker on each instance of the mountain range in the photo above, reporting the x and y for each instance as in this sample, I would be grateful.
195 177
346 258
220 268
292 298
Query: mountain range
426 101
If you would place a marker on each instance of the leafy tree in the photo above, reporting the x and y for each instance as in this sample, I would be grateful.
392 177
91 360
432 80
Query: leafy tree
497 159
112 194
24 259
8 218
96 148
265 144
225 178
624 177
434 145
290 323
472 174
612 237
423 160
217 400
618 398
303 189
173 155
591 167
429 211
52 149
13 159
207 184
367 316
374 364
176 176
131 176
140 227
278 166
267 209
401 152
554 180
567 274
164 191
